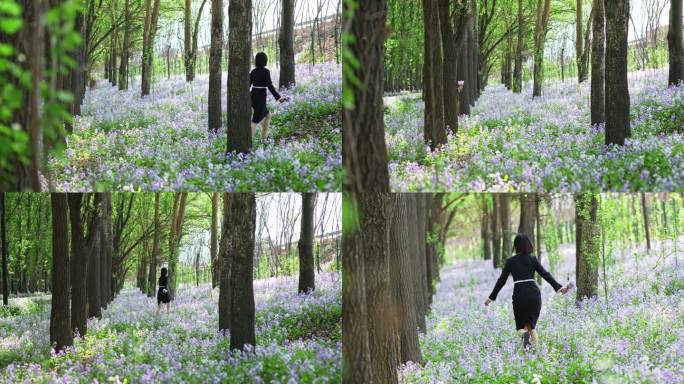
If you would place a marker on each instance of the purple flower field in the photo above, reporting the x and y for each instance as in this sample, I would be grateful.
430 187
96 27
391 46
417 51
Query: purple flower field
129 345
636 335
512 142
161 142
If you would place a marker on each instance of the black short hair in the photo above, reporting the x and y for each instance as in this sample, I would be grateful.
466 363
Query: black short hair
164 271
260 60
522 244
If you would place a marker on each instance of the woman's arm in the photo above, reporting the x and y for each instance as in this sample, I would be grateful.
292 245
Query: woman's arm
270 86
500 282
546 275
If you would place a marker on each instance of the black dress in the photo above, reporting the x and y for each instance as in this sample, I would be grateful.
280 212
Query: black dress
260 80
163 295
526 294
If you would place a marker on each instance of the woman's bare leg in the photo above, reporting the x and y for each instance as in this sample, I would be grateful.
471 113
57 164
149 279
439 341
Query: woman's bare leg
156 315
533 338
168 308
254 127
265 125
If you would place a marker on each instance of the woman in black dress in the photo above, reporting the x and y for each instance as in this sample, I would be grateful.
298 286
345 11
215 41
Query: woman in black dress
163 294
260 81
526 294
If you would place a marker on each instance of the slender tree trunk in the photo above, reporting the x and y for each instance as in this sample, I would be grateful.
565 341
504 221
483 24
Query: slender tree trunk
527 214
79 266
60 319
598 65
539 42
505 210
5 253
215 56
224 262
356 358
96 260
586 245
239 57
617 90
123 67
495 223
152 280
151 17
286 45
364 153
579 39
674 43
305 245
402 278
421 266
37 50
450 84
647 227
485 228
242 326
213 247
517 70
434 130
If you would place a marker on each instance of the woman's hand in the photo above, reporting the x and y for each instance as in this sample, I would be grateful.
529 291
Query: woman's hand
564 290
488 301
283 99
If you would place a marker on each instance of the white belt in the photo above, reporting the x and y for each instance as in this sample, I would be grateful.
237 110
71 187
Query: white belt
254 87
522 281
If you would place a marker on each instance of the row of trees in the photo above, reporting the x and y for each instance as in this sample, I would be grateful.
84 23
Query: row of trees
97 238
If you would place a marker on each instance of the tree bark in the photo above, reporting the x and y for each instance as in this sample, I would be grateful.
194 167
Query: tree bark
123 67
152 279
617 90
364 153
242 326
5 252
60 319
505 210
485 228
213 247
149 32
645 213
96 290
286 45
598 65
356 365
579 39
434 130
527 214
215 56
224 264
539 42
402 278
421 267
674 43
495 222
450 84
79 266
305 245
517 69
586 245
239 57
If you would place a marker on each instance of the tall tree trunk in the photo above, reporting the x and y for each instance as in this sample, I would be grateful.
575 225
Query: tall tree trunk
485 228
647 226
239 58
215 56
537 219
60 319
187 43
527 214
434 130
213 247
598 65
37 50
177 219
402 278
152 279
286 45
364 153
579 39
543 13
94 288
505 210
450 84
356 358
5 253
224 262
674 43
495 223
123 67
242 326
517 70
79 266
107 248
421 266
151 18
305 245
617 90
586 245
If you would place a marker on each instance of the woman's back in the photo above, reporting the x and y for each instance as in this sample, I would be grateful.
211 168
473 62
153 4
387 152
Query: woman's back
522 266
163 281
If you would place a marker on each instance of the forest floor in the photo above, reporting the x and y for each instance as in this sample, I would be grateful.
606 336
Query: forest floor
161 142
298 339
516 142
636 335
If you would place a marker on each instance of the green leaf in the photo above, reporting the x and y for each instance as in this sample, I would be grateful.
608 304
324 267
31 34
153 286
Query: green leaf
10 26
5 49
9 7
